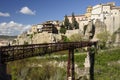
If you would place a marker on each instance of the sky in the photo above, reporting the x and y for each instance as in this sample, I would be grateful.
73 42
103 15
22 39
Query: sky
17 16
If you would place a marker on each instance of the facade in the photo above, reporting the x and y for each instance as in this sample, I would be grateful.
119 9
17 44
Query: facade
78 18
34 28
48 26
88 11
107 13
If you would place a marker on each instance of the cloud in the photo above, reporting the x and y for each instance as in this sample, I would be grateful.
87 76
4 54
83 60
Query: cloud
13 28
26 10
4 14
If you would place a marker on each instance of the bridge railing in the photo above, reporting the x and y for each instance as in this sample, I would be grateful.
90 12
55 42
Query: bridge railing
11 53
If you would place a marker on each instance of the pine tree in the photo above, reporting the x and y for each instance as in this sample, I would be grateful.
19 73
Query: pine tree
75 24
67 23
63 29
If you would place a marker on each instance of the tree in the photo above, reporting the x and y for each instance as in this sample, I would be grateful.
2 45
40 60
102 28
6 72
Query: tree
67 23
62 29
74 24
31 36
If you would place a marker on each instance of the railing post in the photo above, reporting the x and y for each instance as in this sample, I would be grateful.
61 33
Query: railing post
73 68
92 60
92 50
89 62
70 67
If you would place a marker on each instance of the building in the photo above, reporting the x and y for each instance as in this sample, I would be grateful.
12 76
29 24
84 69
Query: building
88 11
107 13
82 19
35 29
78 18
49 27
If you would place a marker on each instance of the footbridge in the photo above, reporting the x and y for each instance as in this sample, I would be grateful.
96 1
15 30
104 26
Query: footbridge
18 52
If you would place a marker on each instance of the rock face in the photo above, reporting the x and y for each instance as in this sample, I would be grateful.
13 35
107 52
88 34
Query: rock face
90 30
99 27
117 38
71 32
43 37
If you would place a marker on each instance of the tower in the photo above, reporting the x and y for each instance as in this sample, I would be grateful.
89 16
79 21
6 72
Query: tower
88 11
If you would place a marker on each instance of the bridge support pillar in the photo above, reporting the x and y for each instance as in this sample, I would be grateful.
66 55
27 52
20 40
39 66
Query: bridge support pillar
70 66
3 70
89 64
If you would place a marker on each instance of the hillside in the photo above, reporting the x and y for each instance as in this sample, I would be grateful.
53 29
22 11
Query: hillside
107 66
7 37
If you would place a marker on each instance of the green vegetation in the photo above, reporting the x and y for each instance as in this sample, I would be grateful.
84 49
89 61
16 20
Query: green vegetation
74 24
63 29
25 43
7 37
65 39
103 38
69 26
113 37
67 23
76 37
107 66
31 36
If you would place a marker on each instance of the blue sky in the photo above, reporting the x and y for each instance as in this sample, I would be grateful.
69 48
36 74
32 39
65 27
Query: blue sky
28 12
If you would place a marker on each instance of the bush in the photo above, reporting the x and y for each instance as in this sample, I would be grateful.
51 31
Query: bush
65 39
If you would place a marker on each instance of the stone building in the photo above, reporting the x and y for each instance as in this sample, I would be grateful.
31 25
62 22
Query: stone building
107 13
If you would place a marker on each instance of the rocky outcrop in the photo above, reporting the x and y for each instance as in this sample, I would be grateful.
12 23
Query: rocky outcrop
37 38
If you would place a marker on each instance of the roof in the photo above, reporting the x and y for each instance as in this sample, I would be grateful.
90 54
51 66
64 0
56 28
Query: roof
117 7
77 15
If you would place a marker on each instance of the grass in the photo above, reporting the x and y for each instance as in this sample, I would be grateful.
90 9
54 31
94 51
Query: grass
107 65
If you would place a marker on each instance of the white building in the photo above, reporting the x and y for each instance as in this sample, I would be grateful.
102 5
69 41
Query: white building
108 14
